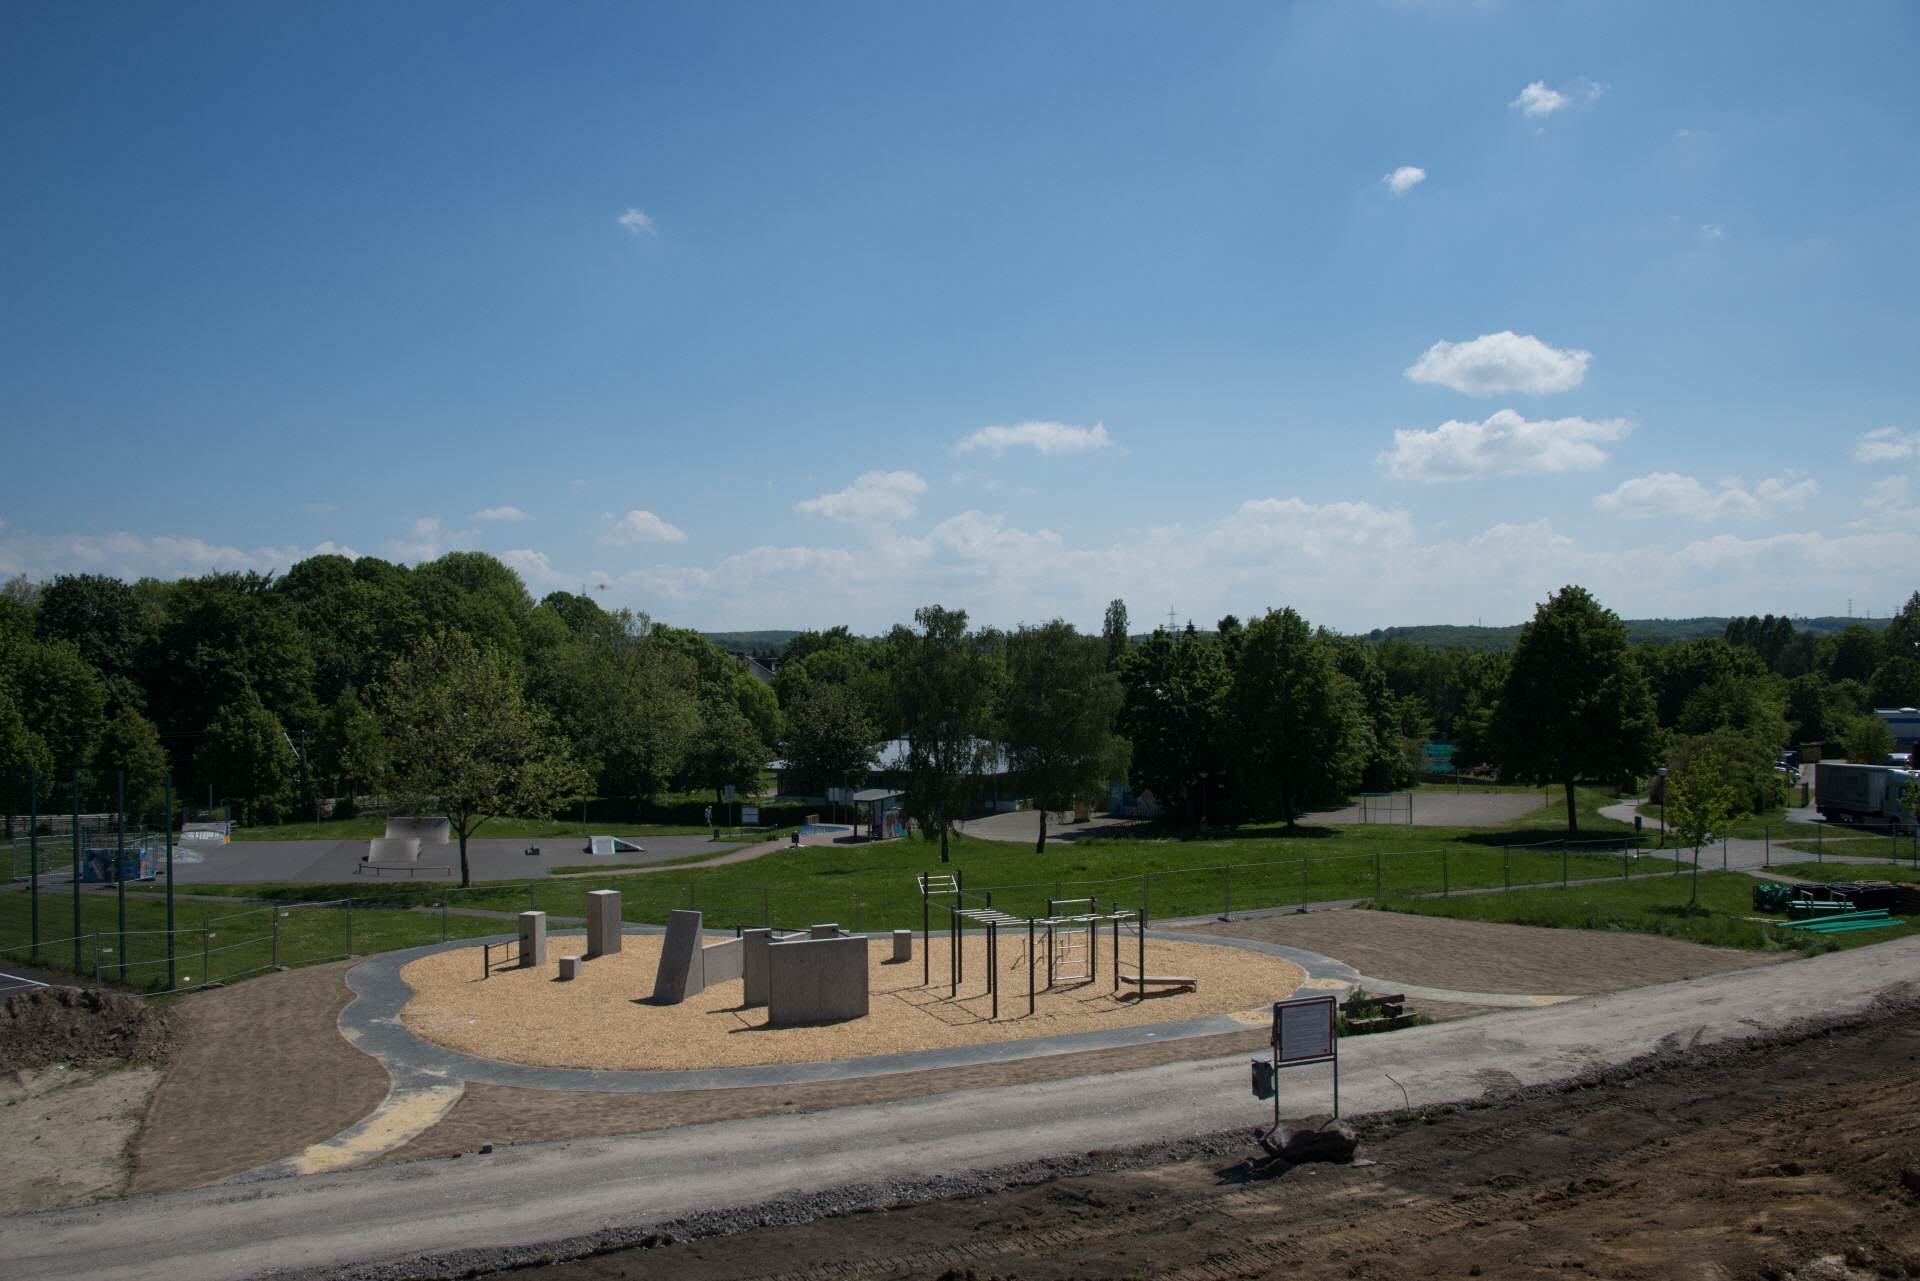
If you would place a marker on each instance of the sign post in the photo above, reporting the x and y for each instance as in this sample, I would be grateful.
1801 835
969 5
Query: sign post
1304 1032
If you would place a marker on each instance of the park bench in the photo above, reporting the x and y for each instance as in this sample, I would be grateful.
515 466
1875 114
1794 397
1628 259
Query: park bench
1165 982
1369 1013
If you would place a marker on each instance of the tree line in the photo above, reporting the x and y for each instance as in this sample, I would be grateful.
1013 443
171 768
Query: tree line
348 678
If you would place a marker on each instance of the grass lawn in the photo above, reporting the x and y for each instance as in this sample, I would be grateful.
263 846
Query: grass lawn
372 825
873 886
1723 917
1753 827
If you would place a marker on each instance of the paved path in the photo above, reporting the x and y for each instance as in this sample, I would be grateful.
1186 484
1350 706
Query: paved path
1735 853
551 1191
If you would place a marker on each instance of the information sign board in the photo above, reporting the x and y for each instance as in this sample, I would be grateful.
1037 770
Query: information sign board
749 816
1303 1030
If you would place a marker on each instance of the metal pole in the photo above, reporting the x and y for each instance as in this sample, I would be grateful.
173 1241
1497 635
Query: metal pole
993 967
168 788
926 935
76 873
1141 973
1116 950
120 861
953 952
33 853
1031 996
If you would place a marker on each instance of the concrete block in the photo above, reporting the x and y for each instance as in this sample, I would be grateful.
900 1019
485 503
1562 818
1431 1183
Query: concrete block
681 974
824 932
903 945
753 967
569 968
817 981
723 962
603 922
533 939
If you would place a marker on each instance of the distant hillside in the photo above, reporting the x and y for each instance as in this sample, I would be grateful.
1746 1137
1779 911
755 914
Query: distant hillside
768 642
1640 630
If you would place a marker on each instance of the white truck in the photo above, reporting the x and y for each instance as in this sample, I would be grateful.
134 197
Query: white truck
1849 793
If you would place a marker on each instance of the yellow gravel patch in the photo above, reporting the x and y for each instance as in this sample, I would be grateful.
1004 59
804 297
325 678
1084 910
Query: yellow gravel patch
604 1019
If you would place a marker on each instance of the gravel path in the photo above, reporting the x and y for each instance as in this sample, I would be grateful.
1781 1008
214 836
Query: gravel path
1482 956
261 1071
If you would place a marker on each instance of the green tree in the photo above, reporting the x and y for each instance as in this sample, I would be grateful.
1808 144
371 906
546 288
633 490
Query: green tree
1745 765
1867 740
247 757
21 750
1058 722
1113 631
464 741
1299 723
1754 706
1698 799
129 742
1807 709
1896 682
350 748
830 741
59 694
630 706
1853 654
759 704
108 621
1174 711
726 751
1575 703
943 696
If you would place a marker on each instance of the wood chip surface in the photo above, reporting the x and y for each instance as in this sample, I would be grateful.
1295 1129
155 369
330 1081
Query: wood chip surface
605 1018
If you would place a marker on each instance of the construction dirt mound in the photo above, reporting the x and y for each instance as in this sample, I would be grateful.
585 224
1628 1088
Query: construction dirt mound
72 1025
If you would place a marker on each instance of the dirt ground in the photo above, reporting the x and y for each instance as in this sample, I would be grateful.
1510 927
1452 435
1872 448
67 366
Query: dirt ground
1797 1161
1482 956
260 1072
600 1020
65 1131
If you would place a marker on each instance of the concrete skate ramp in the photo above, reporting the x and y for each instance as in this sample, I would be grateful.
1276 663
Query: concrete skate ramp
428 831
610 845
393 849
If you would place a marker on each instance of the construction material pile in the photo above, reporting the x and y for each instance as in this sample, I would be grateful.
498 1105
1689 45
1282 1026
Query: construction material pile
78 1026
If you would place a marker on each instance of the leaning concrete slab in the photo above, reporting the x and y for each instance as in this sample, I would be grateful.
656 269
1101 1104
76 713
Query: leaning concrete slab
680 974
533 939
824 932
753 967
722 962
603 922
817 981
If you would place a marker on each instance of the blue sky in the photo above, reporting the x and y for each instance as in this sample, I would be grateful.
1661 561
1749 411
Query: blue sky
763 316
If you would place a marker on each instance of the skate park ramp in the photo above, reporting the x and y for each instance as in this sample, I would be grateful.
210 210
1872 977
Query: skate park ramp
428 831
607 846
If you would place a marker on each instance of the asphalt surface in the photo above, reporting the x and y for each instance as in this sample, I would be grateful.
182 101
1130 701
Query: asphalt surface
487 1206
333 862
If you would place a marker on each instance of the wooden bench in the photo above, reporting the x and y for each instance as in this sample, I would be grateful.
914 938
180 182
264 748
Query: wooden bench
1170 982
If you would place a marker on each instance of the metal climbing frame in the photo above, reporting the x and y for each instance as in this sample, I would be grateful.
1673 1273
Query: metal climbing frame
1071 955
985 915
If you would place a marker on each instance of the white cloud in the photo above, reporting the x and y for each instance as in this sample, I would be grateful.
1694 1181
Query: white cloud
639 527
1405 179
501 513
1048 438
1712 230
876 498
131 556
638 223
1888 504
1496 364
421 541
1665 493
1538 100
1505 444
1886 445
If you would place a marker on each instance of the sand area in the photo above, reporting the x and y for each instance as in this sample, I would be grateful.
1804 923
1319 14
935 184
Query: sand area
605 1019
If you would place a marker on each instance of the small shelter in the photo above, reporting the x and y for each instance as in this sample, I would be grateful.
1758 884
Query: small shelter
882 812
